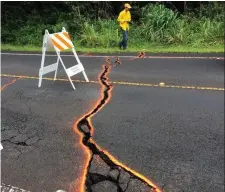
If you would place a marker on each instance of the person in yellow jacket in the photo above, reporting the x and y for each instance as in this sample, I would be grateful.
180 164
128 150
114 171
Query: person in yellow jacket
124 19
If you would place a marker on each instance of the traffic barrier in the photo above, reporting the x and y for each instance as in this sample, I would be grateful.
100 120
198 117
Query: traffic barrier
59 41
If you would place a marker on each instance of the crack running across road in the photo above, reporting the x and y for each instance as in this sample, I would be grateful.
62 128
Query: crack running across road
117 175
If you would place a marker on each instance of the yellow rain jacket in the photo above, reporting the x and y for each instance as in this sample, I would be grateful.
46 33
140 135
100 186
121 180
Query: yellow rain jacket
124 18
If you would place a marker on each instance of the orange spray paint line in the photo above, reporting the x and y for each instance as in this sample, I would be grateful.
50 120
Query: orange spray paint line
11 82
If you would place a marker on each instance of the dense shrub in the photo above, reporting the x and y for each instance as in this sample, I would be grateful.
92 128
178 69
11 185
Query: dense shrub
156 24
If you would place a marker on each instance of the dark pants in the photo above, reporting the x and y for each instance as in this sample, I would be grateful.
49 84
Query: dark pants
123 43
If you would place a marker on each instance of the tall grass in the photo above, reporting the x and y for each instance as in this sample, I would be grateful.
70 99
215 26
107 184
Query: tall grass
157 25
103 33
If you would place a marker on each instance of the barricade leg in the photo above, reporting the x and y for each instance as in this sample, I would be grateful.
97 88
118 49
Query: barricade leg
85 76
65 70
57 68
78 60
40 81
43 58
72 83
41 69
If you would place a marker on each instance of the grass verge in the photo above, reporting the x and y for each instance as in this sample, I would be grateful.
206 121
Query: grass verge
149 48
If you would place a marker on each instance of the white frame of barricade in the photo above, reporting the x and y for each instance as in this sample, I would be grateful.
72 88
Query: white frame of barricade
54 67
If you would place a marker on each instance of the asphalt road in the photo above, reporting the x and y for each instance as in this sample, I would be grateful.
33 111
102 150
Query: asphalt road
174 136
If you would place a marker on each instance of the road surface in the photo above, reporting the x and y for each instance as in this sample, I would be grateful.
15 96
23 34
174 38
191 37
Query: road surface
172 134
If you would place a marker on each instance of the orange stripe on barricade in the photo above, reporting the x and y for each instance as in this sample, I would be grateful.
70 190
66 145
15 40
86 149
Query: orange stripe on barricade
67 35
57 45
63 41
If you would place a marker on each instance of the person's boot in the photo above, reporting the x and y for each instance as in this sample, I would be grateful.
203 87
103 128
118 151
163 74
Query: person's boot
120 46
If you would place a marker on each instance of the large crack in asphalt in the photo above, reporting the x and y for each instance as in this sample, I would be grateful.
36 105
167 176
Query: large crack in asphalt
103 171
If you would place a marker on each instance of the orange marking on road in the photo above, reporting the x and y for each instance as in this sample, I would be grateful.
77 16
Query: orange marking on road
141 55
107 60
117 62
7 84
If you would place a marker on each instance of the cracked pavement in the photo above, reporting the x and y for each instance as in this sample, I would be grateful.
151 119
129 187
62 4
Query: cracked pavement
40 150
116 178
172 136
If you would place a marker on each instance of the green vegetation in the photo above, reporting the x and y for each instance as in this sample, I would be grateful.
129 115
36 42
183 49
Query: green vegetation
155 28
147 48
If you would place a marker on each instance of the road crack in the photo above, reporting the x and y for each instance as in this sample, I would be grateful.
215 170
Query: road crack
85 129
